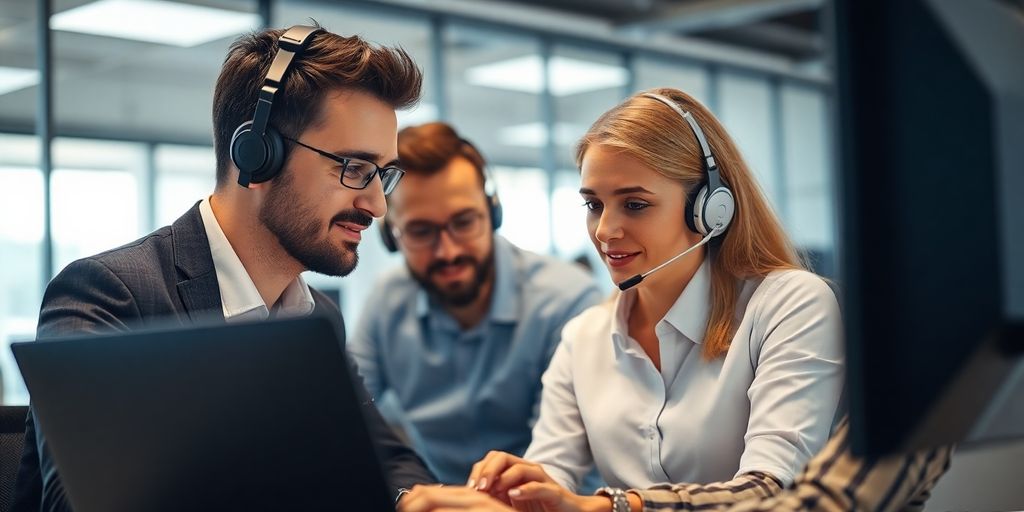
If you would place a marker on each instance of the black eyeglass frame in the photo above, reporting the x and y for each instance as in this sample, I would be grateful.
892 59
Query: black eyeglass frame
477 218
387 174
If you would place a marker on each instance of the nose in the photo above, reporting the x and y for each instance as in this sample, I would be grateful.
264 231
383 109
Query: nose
608 227
371 199
446 248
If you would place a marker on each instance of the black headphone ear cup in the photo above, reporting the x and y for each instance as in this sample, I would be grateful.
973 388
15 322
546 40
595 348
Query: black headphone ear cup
691 214
274 160
386 236
248 152
497 213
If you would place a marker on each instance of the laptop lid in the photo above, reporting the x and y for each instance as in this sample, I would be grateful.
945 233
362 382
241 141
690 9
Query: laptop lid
260 416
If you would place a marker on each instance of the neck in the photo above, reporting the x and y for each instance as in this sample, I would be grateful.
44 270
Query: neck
470 315
657 294
267 263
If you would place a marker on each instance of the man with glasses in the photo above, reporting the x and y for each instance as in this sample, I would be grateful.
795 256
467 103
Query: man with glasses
455 342
314 170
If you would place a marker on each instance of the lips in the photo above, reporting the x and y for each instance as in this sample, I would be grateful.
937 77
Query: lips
352 229
618 259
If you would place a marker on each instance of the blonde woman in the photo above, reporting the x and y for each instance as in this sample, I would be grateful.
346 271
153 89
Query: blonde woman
723 365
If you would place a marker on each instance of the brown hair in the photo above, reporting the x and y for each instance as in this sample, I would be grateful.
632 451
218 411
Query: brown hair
428 148
755 243
330 62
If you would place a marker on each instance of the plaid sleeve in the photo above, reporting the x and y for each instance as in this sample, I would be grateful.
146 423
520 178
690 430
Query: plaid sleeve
753 485
833 480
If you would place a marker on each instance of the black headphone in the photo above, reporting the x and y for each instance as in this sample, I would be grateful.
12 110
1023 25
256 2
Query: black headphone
257 149
711 205
387 231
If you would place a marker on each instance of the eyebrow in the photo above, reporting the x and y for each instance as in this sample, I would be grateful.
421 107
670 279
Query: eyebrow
618 191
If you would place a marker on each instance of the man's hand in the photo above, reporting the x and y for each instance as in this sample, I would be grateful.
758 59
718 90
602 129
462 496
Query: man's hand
444 499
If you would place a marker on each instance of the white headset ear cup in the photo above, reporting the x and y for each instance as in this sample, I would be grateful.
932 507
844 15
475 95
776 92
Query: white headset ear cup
714 210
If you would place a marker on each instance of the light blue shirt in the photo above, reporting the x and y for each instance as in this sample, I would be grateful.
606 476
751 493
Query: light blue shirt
462 393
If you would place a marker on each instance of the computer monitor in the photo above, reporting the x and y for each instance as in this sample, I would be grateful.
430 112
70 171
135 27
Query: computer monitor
930 97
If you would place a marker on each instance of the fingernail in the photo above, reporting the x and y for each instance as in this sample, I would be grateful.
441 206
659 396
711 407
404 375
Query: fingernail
471 482
483 484
515 493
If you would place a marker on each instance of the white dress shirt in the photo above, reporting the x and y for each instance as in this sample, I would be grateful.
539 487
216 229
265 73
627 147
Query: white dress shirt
767 405
240 298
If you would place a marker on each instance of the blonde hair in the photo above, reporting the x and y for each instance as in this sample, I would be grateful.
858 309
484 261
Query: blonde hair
755 243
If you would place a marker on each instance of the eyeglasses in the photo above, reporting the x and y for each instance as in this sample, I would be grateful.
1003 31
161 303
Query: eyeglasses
357 173
422 234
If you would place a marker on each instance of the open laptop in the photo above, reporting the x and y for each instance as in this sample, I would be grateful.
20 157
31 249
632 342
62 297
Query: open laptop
258 416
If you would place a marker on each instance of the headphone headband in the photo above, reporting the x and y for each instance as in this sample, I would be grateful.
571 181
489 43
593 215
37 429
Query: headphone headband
712 206
256 149
714 181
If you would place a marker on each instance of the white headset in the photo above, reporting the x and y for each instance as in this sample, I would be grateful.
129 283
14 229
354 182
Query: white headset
709 208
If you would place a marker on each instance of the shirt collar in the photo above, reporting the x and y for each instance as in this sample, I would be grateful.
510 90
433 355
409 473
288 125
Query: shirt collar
688 315
505 294
240 299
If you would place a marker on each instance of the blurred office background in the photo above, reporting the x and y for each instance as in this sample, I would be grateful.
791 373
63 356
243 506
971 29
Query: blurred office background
121 104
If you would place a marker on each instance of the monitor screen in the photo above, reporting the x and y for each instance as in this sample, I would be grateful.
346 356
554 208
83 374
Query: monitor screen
930 104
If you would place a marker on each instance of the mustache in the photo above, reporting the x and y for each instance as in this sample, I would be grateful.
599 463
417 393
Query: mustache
440 265
353 216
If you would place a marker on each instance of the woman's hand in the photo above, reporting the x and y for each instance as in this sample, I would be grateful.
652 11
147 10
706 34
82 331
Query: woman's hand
498 472
531 497
551 497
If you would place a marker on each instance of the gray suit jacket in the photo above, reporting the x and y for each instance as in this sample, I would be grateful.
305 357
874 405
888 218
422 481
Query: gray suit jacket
166 277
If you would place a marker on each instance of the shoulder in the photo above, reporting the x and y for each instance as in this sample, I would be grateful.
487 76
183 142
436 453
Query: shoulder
794 286
125 262
544 274
595 321
392 285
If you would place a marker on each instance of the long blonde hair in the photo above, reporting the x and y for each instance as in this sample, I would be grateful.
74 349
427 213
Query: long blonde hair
755 243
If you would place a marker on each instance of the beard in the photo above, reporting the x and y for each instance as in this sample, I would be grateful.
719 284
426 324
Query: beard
302 235
457 294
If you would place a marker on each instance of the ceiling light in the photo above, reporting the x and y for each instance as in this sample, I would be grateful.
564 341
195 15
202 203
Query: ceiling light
12 79
155 21
568 76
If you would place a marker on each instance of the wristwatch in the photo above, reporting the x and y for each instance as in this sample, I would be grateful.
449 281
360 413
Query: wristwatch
618 497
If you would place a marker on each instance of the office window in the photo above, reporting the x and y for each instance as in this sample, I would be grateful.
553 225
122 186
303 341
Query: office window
524 202
184 175
495 81
654 72
21 238
21 194
98 196
744 108
584 85
811 210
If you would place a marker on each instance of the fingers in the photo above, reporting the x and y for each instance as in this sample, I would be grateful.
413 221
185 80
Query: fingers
516 475
548 493
486 471
443 499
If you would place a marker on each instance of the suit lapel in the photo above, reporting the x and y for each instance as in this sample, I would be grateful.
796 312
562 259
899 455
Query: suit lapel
199 289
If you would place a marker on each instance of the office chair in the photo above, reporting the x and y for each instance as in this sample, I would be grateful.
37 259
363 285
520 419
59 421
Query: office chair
12 437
